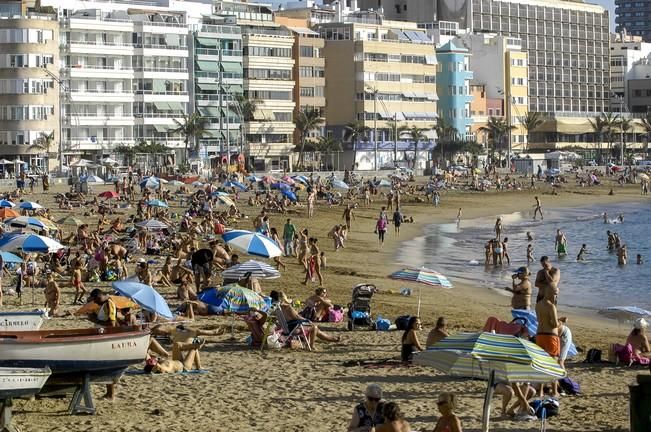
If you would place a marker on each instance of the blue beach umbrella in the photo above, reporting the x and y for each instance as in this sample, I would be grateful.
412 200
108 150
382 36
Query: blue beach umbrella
302 179
233 298
26 222
157 203
252 243
8 257
29 205
339 184
93 179
150 183
253 178
257 269
289 194
146 296
236 184
530 320
7 204
281 186
31 243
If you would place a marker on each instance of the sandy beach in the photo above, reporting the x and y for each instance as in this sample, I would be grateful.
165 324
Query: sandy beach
289 390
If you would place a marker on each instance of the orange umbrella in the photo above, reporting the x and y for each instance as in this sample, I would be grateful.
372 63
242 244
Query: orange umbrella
6 213
120 303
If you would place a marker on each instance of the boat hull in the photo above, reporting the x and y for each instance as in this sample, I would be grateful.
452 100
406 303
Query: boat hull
75 352
20 382
20 321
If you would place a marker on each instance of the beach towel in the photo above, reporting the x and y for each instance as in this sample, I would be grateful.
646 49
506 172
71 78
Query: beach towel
626 354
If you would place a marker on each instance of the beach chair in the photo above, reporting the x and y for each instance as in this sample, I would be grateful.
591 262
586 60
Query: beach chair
298 332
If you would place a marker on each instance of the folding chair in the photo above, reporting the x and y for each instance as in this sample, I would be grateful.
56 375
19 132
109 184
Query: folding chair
298 332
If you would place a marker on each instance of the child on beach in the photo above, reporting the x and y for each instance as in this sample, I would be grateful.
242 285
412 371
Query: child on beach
76 282
448 422
530 258
323 261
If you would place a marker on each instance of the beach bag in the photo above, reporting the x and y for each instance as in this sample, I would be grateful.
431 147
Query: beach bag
335 315
569 386
382 324
309 313
546 408
273 341
593 356
402 322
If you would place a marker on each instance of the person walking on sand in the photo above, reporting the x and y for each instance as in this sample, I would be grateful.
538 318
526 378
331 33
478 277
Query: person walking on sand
348 216
397 221
498 228
381 228
289 230
80 288
459 216
549 325
547 278
537 208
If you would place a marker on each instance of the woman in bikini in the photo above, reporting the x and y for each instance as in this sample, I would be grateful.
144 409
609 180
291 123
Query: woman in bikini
448 422
313 262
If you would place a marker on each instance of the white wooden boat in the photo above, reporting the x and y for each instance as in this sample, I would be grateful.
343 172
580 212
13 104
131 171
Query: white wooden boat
20 321
77 352
19 382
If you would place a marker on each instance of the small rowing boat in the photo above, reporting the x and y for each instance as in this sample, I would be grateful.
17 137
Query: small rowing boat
20 321
20 382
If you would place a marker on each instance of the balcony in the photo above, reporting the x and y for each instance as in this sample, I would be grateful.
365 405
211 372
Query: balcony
229 30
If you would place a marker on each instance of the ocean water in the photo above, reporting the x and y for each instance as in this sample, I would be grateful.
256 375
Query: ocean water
457 251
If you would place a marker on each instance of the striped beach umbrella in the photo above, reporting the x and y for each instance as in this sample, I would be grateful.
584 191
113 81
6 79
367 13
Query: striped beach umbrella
150 183
7 204
29 205
495 357
235 184
152 225
6 213
252 243
257 269
423 276
26 222
233 298
70 221
31 243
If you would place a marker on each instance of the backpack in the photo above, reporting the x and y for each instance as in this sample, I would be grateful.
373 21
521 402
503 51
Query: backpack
593 356
402 322
569 386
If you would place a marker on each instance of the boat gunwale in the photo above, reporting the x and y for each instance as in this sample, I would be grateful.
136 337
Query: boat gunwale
76 335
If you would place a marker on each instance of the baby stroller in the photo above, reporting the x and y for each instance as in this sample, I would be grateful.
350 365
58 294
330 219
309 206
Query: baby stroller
359 309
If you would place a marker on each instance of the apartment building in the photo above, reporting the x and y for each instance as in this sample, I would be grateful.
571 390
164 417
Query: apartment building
453 88
382 74
634 18
29 100
268 82
218 83
625 52
501 66
639 87
309 71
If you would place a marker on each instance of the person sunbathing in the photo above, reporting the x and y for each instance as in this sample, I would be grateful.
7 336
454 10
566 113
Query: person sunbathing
320 304
638 339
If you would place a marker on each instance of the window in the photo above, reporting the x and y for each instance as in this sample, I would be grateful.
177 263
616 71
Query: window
283 116
319 91
267 51
268 74
307 91
266 94
518 81
306 51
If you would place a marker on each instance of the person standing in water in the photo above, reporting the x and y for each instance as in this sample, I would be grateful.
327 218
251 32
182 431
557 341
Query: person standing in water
505 251
611 240
560 243
605 217
530 257
622 255
537 208
582 253
498 229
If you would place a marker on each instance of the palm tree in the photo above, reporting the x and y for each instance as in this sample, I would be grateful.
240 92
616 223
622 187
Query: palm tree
497 129
532 121
646 124
445 132
611 124
244 107
415 134
191 127
354 131
328 145
45 141
599 129
395 130
307 120
625 125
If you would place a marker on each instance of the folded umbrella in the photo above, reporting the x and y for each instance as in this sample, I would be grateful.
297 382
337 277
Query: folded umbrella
252 243
146 296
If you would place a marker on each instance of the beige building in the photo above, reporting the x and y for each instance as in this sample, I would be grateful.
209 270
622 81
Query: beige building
309 71
29 97
393 71
268 64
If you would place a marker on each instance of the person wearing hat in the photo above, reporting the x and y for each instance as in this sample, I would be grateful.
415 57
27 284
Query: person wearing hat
368 414
638 339
107 313
521 290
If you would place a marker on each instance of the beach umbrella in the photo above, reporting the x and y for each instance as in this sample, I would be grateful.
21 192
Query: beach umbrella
152 225
197 184
146 296
625 313
287 179
423 276
49 225
339 184
150 183
257 269
235 184
233 298
224 200
8 257
8 213
157 203
31 243
26 222
302 179
269 179
70 221
384 183
252 243
94 179
281 186
109 195
7 204
220 193
530 320
176 183
29 205
109 161
495 357
119 301
289 194
253 178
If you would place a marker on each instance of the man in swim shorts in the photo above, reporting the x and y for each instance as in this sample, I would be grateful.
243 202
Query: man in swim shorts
548 330
561 243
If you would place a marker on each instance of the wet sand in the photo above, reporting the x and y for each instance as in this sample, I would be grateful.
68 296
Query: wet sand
286 390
